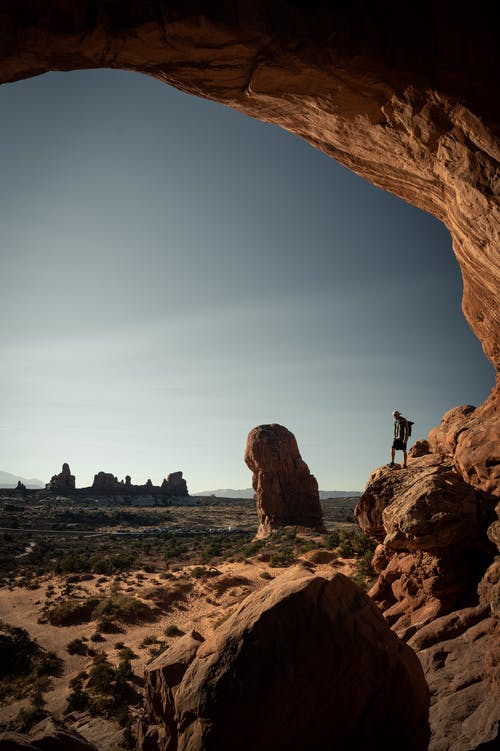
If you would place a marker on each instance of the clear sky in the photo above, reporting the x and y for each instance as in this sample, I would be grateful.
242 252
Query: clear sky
174 273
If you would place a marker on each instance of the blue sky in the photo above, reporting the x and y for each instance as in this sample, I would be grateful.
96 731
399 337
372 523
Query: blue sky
175 273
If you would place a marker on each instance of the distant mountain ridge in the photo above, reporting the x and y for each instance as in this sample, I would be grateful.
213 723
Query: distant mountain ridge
249 493
8 480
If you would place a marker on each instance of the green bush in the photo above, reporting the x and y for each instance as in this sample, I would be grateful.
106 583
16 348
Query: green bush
173 630
72 612
77 701
17 650
76 647
198 571
124 608
282 558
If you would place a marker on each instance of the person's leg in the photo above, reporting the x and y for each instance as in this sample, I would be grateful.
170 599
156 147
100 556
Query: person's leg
405 459
393 452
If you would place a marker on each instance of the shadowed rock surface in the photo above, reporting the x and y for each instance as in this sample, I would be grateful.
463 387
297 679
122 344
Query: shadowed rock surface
47 735
285 491
63 481
305 663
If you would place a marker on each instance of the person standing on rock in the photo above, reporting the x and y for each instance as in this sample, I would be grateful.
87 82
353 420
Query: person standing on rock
401 433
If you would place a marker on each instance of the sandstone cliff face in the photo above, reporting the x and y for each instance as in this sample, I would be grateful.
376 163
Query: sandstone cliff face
285 491
306 662
409 106
436 541
46 735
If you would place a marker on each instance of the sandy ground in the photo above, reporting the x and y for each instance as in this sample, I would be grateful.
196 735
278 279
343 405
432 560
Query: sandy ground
211 597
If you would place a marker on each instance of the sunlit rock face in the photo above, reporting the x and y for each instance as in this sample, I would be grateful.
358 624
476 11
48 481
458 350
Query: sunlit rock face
279 673
469 439
437 536
286 492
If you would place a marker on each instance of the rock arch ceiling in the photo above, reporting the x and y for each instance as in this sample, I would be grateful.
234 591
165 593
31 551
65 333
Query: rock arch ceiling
407 102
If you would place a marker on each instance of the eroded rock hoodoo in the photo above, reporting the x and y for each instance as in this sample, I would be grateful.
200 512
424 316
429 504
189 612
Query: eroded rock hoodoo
64 481
305 663
286 492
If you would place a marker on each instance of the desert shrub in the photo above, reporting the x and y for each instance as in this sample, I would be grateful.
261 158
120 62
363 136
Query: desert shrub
76 647
308 545
127 652
72 612
124 608
124 670
72 562
198 571
48 664
17 650
332 539
165 597
102 675
27 717
106 625
282 558
266 575
154 652
173 630
148 640
226 582
96 637
78 700
364 573
354 544
252 549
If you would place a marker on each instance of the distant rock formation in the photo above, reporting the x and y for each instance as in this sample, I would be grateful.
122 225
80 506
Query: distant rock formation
285 491
106 481
63 481
279 674
435 535
175 485
20 486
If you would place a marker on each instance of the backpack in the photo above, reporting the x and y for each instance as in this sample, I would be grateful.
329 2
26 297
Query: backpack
409 423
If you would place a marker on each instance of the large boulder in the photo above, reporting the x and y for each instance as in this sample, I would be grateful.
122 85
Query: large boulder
286 492
469 439
304 663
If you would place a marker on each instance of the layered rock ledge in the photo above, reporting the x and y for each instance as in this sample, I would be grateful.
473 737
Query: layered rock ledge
435 544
